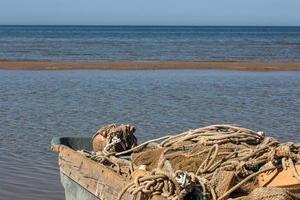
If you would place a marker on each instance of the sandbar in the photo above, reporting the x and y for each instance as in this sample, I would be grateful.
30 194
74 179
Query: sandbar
151 65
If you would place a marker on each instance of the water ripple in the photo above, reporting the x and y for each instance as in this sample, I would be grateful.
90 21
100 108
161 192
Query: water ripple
35 106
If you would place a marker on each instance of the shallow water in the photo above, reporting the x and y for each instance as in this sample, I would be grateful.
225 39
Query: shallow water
37 105
132 43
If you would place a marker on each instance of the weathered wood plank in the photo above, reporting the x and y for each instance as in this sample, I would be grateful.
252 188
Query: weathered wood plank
97 179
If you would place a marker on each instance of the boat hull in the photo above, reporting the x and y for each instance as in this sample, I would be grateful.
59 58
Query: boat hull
74 191
84 178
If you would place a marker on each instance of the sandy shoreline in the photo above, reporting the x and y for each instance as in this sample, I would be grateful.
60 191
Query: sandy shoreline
151 65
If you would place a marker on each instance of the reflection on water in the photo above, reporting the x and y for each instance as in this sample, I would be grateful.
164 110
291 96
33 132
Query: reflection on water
35 106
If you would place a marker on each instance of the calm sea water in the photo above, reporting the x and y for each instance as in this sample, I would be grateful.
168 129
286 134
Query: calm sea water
37 105
111 43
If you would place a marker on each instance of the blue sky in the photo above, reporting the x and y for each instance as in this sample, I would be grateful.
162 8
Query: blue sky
150 12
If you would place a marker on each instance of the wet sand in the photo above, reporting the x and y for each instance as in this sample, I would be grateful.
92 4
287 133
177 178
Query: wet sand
151 65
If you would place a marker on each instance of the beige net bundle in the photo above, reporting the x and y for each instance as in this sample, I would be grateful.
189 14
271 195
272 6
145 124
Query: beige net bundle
117 138
214 162
109 140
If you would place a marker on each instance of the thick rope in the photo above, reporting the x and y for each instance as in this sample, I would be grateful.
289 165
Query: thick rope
225 148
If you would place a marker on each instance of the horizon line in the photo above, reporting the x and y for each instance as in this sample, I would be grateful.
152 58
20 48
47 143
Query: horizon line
150 25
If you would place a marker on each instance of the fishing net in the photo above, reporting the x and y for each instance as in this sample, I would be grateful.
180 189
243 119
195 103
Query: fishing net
269 193
214 162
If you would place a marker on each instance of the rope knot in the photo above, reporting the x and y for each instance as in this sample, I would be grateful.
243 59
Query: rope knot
182 178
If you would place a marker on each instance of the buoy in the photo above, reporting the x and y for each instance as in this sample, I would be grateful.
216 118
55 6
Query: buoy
99 140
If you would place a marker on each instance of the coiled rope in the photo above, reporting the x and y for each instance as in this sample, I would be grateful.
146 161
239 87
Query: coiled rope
213 148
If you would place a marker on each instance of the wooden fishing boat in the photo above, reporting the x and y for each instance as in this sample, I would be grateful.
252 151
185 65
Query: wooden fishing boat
217 162
82 178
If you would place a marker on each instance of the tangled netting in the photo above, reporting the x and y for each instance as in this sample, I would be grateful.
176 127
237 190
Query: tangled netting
118 138
215 162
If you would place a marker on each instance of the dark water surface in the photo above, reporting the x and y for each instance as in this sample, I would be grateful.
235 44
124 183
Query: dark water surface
37 105
112 43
